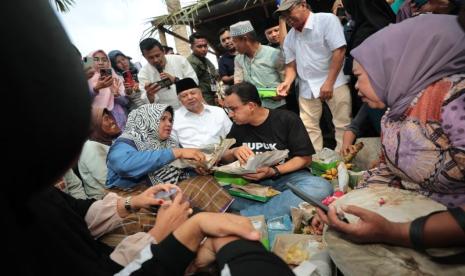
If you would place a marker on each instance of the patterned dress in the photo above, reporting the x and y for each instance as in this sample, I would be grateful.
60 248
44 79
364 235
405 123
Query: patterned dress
425 149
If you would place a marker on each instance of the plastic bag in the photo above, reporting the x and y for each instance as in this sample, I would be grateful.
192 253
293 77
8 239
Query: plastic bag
327 156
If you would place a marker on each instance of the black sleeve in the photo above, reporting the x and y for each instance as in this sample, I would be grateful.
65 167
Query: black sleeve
170 257
359 120
251 258
299 143
233 133
80 206
221 67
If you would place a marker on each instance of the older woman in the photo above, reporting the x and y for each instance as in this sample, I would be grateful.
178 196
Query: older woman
421 79
92 161
145 149
108 89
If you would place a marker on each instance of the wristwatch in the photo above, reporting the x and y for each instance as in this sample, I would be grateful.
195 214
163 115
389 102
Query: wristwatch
277 173
127 205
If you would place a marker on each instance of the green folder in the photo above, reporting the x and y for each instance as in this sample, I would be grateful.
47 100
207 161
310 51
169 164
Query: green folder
264 92
228 179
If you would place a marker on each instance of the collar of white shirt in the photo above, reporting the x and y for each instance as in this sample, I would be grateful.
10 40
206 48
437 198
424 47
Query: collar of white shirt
310 23
186 112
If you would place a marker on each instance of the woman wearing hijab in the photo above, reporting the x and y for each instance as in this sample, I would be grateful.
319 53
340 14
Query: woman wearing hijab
125 68
144 151
108 89
421 80
92 161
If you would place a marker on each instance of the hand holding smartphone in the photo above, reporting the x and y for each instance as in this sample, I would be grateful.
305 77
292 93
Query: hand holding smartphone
313 201
164 83
167 195
105 73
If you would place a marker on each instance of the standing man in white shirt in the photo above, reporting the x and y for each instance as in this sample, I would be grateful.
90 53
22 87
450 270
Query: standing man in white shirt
314 49
197 124
169 68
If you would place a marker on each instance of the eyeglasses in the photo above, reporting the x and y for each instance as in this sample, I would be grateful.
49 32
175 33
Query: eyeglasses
102 59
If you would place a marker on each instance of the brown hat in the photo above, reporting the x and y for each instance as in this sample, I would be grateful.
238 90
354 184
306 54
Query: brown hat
286 5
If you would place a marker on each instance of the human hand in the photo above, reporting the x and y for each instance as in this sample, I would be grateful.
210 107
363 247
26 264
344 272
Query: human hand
242 153
194 154
317 224
170 216
326 91
283 89
130 87
348 149
202 170
165 75
370 228
152 89
218 225
263 172
115 87
277 98
103 83
147 198
207 251
89 72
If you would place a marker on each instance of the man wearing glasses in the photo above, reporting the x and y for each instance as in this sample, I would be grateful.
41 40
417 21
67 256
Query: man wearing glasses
258 129
314 49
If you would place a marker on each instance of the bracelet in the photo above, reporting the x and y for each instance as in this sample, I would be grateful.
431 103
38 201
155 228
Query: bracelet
459 215
277 173
416 231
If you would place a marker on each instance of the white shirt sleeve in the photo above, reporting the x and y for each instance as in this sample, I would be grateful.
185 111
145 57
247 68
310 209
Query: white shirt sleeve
289 52
188 71
334 33
227 124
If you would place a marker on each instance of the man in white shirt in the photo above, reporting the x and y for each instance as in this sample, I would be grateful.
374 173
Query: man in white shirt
197 124
160 67
314 49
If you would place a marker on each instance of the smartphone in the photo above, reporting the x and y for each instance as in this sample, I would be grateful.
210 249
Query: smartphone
163 83
127 75
311 200
105 73
167 195
87 63
341 12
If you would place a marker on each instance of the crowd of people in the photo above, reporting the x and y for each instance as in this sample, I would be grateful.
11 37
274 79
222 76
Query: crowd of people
118 125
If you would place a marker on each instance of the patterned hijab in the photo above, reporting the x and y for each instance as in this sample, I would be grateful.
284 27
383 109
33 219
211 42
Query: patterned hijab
142 128
403 59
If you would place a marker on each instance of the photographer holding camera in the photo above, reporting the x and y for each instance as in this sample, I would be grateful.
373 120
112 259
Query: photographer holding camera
158 76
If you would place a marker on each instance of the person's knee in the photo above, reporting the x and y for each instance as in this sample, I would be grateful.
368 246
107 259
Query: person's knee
316 186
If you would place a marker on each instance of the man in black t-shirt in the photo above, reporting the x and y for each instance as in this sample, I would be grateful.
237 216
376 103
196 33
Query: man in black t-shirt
258 129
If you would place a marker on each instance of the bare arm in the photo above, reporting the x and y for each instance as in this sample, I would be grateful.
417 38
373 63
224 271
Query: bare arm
290 73
294 164
441 230
282 31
